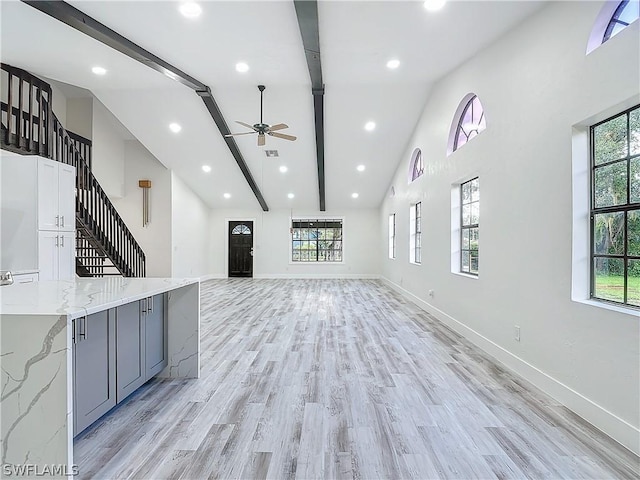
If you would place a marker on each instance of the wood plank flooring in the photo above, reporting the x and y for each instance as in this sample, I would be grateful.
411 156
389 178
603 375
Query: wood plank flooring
338 379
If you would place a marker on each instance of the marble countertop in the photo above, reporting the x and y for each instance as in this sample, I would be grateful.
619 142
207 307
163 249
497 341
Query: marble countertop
82 296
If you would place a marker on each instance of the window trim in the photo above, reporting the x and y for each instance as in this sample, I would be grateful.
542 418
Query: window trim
464 227
415 156
415 234
467 100
391 226
601 24
320 218
625 208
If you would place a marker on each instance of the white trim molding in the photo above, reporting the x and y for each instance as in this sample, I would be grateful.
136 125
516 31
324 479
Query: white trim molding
604 420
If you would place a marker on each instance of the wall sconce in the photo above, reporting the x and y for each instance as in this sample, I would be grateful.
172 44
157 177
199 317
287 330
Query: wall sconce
145 185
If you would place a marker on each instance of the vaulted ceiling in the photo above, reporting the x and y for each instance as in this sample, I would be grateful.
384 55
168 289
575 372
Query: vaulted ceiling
357 38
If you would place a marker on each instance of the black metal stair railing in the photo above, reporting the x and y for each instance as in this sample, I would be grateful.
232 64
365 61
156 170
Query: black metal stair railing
28 100
29 126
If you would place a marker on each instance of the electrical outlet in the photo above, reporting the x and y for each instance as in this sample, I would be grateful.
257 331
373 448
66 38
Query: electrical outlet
517 333
431 293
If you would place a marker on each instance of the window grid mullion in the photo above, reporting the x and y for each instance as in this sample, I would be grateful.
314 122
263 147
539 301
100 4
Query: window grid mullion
625 257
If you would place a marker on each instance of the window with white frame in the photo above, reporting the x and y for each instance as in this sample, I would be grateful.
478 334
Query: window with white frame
316 240
615 209
415 233
468 121
416 166
469 226
612 19
392 235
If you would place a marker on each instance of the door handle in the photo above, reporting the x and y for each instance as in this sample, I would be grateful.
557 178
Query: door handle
251 252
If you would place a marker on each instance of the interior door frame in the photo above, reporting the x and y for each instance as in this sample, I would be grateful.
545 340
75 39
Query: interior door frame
226 242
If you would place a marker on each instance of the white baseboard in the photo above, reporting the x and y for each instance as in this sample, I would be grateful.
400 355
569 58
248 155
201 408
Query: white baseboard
363 276
211 276
617 428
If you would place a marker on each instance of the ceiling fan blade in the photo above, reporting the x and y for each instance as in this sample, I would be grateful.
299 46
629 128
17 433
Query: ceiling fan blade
243 133
283 136
245 125
278 126
261 139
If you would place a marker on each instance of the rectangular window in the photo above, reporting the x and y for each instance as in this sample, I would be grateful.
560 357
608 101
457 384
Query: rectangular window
469 226
615 209
392 235
415 230
316 240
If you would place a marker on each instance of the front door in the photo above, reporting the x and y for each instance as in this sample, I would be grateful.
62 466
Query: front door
241 249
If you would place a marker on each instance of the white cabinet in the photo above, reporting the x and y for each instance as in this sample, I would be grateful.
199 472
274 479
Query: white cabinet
56 196
37 221
56 255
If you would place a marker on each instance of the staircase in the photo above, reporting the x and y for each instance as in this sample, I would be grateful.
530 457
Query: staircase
104 244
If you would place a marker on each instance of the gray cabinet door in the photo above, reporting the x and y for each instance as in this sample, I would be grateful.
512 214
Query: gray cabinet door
130 349
93 368
155 336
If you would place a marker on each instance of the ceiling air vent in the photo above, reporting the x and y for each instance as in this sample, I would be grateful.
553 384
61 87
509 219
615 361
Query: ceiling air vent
271 153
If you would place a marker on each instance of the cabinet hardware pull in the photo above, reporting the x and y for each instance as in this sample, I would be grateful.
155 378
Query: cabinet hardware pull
83 332
143 305
62 240
57 220
62 220
57 239
151 303
73 331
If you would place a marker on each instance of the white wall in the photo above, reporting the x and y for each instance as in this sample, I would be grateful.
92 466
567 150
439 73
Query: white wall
59 104
80 116
108 151
272 238
189 231
535 84
155 238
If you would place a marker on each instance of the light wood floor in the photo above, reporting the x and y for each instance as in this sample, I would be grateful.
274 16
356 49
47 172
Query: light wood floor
340 379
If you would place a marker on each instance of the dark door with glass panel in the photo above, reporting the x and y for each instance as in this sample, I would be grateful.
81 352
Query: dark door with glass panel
241 249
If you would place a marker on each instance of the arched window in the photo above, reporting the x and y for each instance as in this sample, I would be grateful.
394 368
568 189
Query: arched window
416 166
241 230
468 122
613 17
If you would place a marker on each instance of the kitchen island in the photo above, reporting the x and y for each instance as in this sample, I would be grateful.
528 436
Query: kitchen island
42 326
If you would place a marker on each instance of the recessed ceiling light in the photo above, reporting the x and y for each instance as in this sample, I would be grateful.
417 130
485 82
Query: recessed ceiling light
174 127
99 70
227 195
190 9
206 168
354 195
370 126
360 168
290 195
283 168
242 67
434 5
393 64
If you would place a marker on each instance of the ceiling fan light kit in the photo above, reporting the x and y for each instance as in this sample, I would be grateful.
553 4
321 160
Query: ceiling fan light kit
262 128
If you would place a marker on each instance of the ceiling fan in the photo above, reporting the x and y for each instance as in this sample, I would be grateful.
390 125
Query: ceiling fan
262 128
